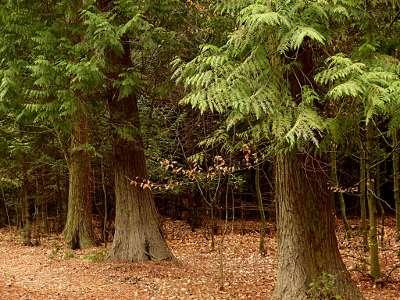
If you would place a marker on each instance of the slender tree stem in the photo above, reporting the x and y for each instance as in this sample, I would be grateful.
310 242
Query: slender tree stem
263 225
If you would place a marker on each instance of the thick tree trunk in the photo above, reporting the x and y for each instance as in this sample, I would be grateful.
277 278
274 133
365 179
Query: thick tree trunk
78 231
137 230
307 245
396 179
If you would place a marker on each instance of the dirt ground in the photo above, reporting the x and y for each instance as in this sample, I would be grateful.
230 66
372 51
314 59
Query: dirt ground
233 271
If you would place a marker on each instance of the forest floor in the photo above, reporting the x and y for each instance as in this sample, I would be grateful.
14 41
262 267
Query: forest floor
233 271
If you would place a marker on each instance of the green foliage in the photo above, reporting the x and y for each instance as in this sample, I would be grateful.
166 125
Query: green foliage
373 86
273 75
96 256
322 288
245 79
55 250
248 80
68 254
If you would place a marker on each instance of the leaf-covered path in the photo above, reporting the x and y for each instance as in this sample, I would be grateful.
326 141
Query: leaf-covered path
233 271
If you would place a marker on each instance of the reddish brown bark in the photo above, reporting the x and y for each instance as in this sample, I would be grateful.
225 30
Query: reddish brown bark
78 231
307 245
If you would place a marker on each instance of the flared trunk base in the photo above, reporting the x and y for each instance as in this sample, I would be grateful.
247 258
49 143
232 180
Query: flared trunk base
307 245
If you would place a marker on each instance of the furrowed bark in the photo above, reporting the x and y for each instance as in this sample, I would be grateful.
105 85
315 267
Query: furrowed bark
78 231
307 245
137 230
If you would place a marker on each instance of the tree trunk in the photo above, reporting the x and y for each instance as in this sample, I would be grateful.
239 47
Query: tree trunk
380 205
363 195
263 225
26 218
372 233
78 231
3 212
307 245
211 226
396 179
137 230
105 219
335 182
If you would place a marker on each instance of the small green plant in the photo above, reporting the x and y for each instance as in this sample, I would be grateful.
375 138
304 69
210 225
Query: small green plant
55 251
322 288
96 256
69 254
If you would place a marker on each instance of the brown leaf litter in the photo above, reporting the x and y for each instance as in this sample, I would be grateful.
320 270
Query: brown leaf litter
233 271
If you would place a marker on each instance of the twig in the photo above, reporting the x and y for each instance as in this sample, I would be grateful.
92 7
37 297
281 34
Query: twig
362 260
394 268
197 182
360 271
